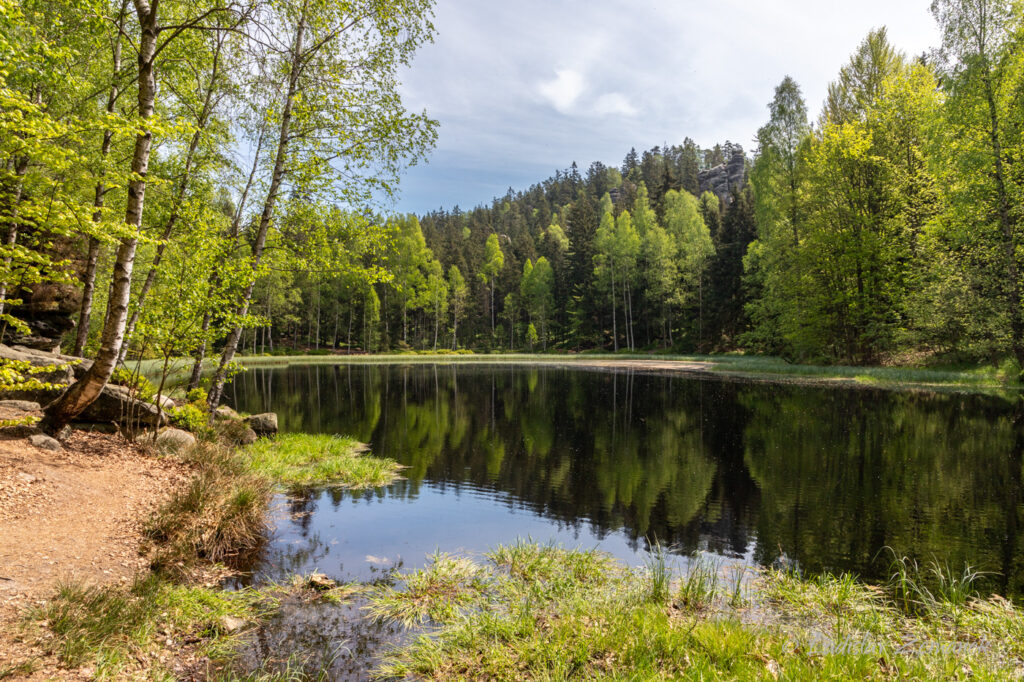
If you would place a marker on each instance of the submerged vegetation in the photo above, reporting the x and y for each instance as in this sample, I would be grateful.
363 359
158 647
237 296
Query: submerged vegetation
543 612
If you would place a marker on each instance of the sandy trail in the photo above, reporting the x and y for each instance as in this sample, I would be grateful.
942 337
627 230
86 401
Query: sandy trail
76 514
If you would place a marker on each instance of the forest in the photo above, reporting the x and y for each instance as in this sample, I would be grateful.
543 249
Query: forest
197 179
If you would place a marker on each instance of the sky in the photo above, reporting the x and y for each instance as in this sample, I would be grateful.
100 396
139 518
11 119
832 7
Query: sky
527 87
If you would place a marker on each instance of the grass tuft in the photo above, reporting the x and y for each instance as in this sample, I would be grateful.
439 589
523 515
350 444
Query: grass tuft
298 459
659 576
219 517
116 629
602 621
699 586
440 593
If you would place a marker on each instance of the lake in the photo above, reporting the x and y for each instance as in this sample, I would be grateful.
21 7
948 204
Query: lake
823 479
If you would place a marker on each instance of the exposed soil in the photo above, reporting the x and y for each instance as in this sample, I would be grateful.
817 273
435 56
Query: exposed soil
76 514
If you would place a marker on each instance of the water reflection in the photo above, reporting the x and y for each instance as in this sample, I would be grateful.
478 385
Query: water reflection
824 477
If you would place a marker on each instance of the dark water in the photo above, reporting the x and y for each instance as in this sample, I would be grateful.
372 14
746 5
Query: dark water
759 473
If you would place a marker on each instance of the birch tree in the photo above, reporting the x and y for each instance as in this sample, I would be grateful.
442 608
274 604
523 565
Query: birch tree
151 37
342 129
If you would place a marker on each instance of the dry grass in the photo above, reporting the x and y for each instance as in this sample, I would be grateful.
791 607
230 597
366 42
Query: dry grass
220 517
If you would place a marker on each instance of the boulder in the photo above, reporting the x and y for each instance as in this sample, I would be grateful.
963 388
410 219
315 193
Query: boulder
78 365
263 424
20 405
247 437
165 402
20 431
44 442
223 412
172 440
116 404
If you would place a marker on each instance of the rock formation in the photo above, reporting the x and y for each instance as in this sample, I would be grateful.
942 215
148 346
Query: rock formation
115 403
723 178
49 311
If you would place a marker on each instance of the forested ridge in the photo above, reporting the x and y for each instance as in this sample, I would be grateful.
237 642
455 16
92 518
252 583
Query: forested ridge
887 230
199 178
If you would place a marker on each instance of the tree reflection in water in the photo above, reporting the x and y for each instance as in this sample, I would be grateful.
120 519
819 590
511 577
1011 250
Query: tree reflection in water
825 476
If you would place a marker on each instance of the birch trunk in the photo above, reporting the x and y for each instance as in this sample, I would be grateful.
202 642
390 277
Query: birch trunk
217 386
89 276
82 393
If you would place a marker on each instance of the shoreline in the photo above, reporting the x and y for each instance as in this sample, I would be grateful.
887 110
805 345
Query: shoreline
796 623
979 380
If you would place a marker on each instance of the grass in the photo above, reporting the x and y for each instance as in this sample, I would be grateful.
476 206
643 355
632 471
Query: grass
303 459
117 631
659 575
541 612
219 517
438 594
699 585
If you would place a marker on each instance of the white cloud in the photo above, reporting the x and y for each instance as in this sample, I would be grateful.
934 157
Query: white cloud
614 104
524 88
564 90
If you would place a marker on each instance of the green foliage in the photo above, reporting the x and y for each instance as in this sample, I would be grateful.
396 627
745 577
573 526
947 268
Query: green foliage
196 396
531 336
191 417
142 386
21 375
886 233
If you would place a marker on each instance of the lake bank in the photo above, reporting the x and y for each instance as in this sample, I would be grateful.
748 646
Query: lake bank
708 467
523 611
117 550
984 379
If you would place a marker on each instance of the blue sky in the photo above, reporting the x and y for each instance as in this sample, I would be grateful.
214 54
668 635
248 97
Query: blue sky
524 88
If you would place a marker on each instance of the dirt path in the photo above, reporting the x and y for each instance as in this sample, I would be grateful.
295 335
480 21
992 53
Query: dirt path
76 514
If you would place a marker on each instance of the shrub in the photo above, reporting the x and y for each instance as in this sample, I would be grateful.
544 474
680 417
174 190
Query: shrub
197 396
142 386
191 418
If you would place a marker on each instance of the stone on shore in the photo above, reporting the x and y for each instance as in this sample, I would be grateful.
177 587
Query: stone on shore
171 440
44 442
224 413
263 424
